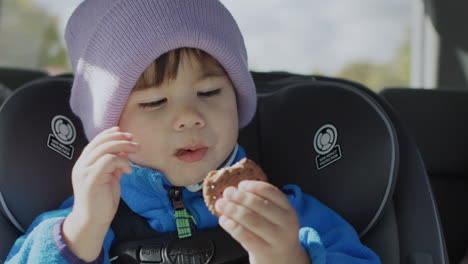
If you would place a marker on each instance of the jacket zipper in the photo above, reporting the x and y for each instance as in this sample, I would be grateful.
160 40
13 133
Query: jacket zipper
185 222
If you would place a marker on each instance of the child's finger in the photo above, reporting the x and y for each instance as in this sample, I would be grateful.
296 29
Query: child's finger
260 205
118 173
250 220
123 154
105 136
107 165
248 240
96 138
267 191
112 147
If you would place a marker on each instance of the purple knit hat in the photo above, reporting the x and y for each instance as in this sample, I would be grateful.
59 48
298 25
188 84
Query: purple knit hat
111 42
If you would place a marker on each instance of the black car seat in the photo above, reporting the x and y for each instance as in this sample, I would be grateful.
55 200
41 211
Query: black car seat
4 93
336 139
438 119
15 77
8 233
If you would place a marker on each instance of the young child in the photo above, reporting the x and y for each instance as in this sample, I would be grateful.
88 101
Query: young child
162 88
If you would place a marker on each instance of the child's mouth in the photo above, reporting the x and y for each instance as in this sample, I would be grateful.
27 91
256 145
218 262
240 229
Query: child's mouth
191 155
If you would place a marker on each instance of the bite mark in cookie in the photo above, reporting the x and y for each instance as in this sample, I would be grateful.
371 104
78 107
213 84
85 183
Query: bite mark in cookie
217 181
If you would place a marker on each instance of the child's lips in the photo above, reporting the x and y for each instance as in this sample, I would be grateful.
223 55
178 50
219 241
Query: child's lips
191 155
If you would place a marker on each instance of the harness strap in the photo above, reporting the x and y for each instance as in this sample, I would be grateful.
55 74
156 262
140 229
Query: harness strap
128 225
136 243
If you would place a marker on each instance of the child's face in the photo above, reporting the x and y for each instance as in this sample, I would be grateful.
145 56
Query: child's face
196 111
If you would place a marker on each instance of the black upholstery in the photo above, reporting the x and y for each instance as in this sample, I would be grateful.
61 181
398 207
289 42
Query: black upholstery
409 230
15 77
379 184
33 177
8 234
4 93
287 125
439 121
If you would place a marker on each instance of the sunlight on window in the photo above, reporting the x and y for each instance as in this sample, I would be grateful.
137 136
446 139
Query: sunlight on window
366 41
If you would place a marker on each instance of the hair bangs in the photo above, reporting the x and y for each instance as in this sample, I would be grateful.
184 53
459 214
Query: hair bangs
166 67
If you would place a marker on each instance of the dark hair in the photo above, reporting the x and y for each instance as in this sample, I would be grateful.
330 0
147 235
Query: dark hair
167 65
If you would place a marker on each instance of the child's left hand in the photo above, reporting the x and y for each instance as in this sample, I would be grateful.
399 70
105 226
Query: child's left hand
259 216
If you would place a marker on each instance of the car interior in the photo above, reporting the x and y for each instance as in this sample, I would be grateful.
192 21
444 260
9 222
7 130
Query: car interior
378 164
439 126
396 167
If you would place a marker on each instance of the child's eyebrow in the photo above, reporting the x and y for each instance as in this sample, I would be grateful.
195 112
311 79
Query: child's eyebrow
211 74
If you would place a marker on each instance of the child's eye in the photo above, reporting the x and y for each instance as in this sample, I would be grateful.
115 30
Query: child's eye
153 104
209 93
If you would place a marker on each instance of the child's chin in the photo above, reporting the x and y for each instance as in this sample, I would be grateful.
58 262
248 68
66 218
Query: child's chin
187 180
184 176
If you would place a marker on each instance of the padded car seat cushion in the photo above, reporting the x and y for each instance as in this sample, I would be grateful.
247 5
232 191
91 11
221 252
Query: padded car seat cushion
14 77
4 93
39 145
345 150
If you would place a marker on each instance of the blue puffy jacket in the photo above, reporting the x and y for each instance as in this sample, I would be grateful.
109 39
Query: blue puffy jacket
326 236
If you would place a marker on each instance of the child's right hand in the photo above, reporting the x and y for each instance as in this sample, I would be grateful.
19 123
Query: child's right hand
96 187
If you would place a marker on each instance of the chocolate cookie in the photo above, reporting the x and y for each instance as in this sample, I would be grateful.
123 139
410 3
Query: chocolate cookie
218 180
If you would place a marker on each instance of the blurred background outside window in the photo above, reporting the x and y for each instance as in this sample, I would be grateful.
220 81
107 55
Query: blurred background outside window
368 41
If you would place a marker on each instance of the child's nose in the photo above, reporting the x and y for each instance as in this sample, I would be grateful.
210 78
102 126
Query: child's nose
189 119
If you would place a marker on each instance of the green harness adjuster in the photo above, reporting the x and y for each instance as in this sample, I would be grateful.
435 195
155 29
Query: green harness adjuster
184 220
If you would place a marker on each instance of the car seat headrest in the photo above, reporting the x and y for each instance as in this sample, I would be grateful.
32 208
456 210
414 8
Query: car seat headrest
40 140
14 77
333 139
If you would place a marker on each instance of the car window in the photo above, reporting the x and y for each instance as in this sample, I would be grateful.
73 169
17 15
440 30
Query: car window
366 40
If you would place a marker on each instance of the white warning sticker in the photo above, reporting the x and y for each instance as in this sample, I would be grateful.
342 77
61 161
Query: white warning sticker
325 145
62 136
